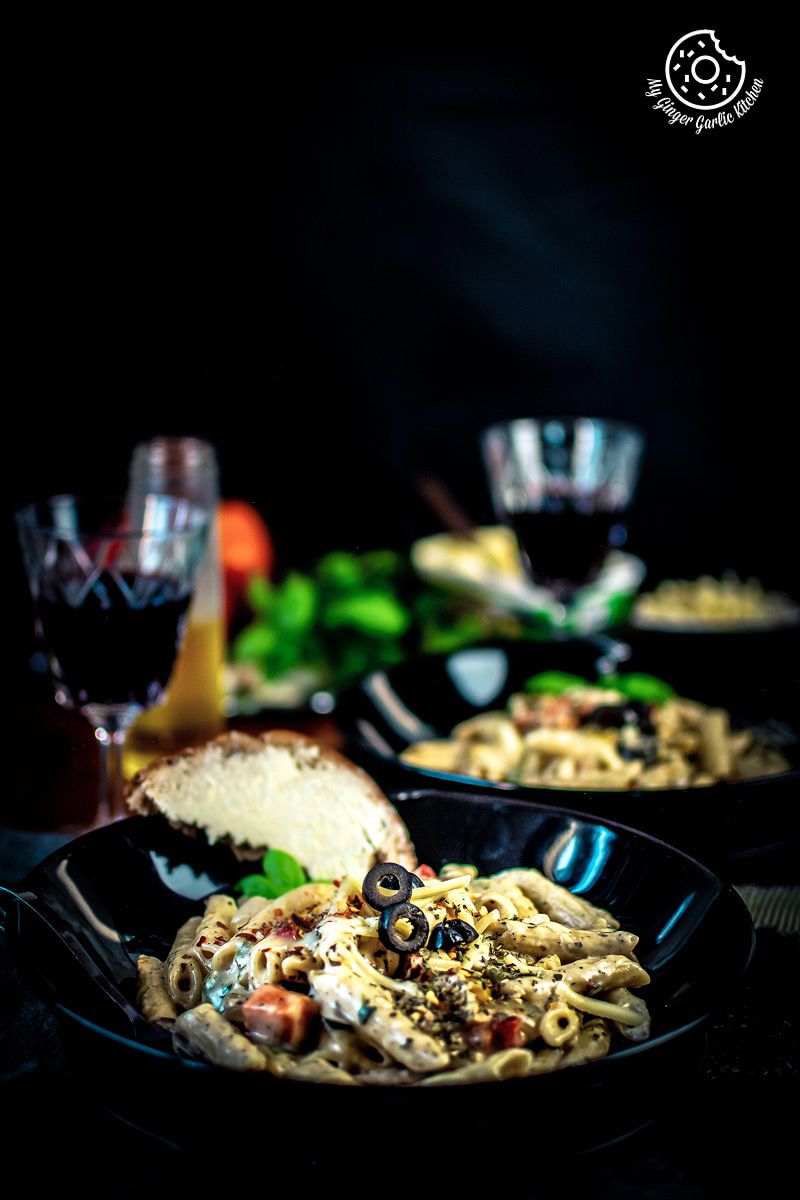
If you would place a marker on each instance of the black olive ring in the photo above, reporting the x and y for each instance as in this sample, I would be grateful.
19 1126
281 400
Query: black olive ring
392 939
449 934
392 875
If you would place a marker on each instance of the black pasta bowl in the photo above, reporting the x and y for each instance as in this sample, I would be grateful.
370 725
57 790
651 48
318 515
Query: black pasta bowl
745 825
93 906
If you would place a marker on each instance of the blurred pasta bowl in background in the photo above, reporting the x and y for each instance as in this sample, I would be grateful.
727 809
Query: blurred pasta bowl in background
708 605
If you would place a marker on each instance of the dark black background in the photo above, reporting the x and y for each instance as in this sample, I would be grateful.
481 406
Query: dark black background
340 261
338 250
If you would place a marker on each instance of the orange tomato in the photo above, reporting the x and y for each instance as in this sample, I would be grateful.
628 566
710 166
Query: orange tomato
245 550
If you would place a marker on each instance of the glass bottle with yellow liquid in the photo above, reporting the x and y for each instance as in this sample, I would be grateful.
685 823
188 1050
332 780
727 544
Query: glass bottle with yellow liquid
192 711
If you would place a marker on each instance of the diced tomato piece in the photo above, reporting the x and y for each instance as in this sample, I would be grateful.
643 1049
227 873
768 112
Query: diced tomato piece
479 1035
425 872
509 1032
282 1018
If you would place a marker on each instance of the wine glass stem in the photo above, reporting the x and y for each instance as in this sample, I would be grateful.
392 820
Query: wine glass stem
106 776
110 730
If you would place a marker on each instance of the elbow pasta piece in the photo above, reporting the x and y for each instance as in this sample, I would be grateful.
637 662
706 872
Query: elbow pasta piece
559 1024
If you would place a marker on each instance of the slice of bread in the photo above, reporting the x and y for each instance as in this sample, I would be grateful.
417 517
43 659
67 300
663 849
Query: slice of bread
280 790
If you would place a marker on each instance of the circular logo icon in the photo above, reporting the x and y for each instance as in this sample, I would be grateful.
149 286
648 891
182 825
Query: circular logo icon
700 74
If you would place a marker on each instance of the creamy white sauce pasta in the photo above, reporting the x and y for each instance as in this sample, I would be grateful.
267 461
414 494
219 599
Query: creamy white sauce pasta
316 985
595 738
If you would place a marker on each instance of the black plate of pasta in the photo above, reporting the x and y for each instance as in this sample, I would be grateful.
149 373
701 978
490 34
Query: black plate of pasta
581 724
600 916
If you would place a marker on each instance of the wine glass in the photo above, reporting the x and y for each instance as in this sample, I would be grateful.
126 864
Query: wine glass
563 484
111 581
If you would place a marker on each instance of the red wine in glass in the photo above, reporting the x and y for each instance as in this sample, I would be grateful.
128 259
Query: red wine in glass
111 580
106 650
564 484
564 547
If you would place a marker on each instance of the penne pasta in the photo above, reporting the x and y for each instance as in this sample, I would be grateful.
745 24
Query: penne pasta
216 926
549 937
596 737
183 974
152 997
557 902
624 998
206 1030
469 979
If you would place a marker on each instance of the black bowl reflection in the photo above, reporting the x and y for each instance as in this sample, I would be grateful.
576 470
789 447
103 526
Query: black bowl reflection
123 890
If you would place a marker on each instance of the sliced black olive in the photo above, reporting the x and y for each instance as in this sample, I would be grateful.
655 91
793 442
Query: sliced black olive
387 884
449 934
391 936
606 716
638 713
415 881
617 716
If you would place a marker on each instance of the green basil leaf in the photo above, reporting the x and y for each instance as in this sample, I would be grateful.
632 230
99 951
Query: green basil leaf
377 613
255 885
255 643
283 872
259 594
295 604
648 689
554 683
381 566
341 571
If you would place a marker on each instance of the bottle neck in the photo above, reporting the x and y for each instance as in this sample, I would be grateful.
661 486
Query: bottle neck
185 467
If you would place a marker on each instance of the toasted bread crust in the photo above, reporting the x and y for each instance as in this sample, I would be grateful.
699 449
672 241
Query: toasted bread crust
139 799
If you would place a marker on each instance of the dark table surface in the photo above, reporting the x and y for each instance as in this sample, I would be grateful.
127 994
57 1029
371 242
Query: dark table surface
728 1128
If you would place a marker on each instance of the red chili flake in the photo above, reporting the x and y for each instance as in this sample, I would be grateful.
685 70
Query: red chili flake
201 939
287 929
